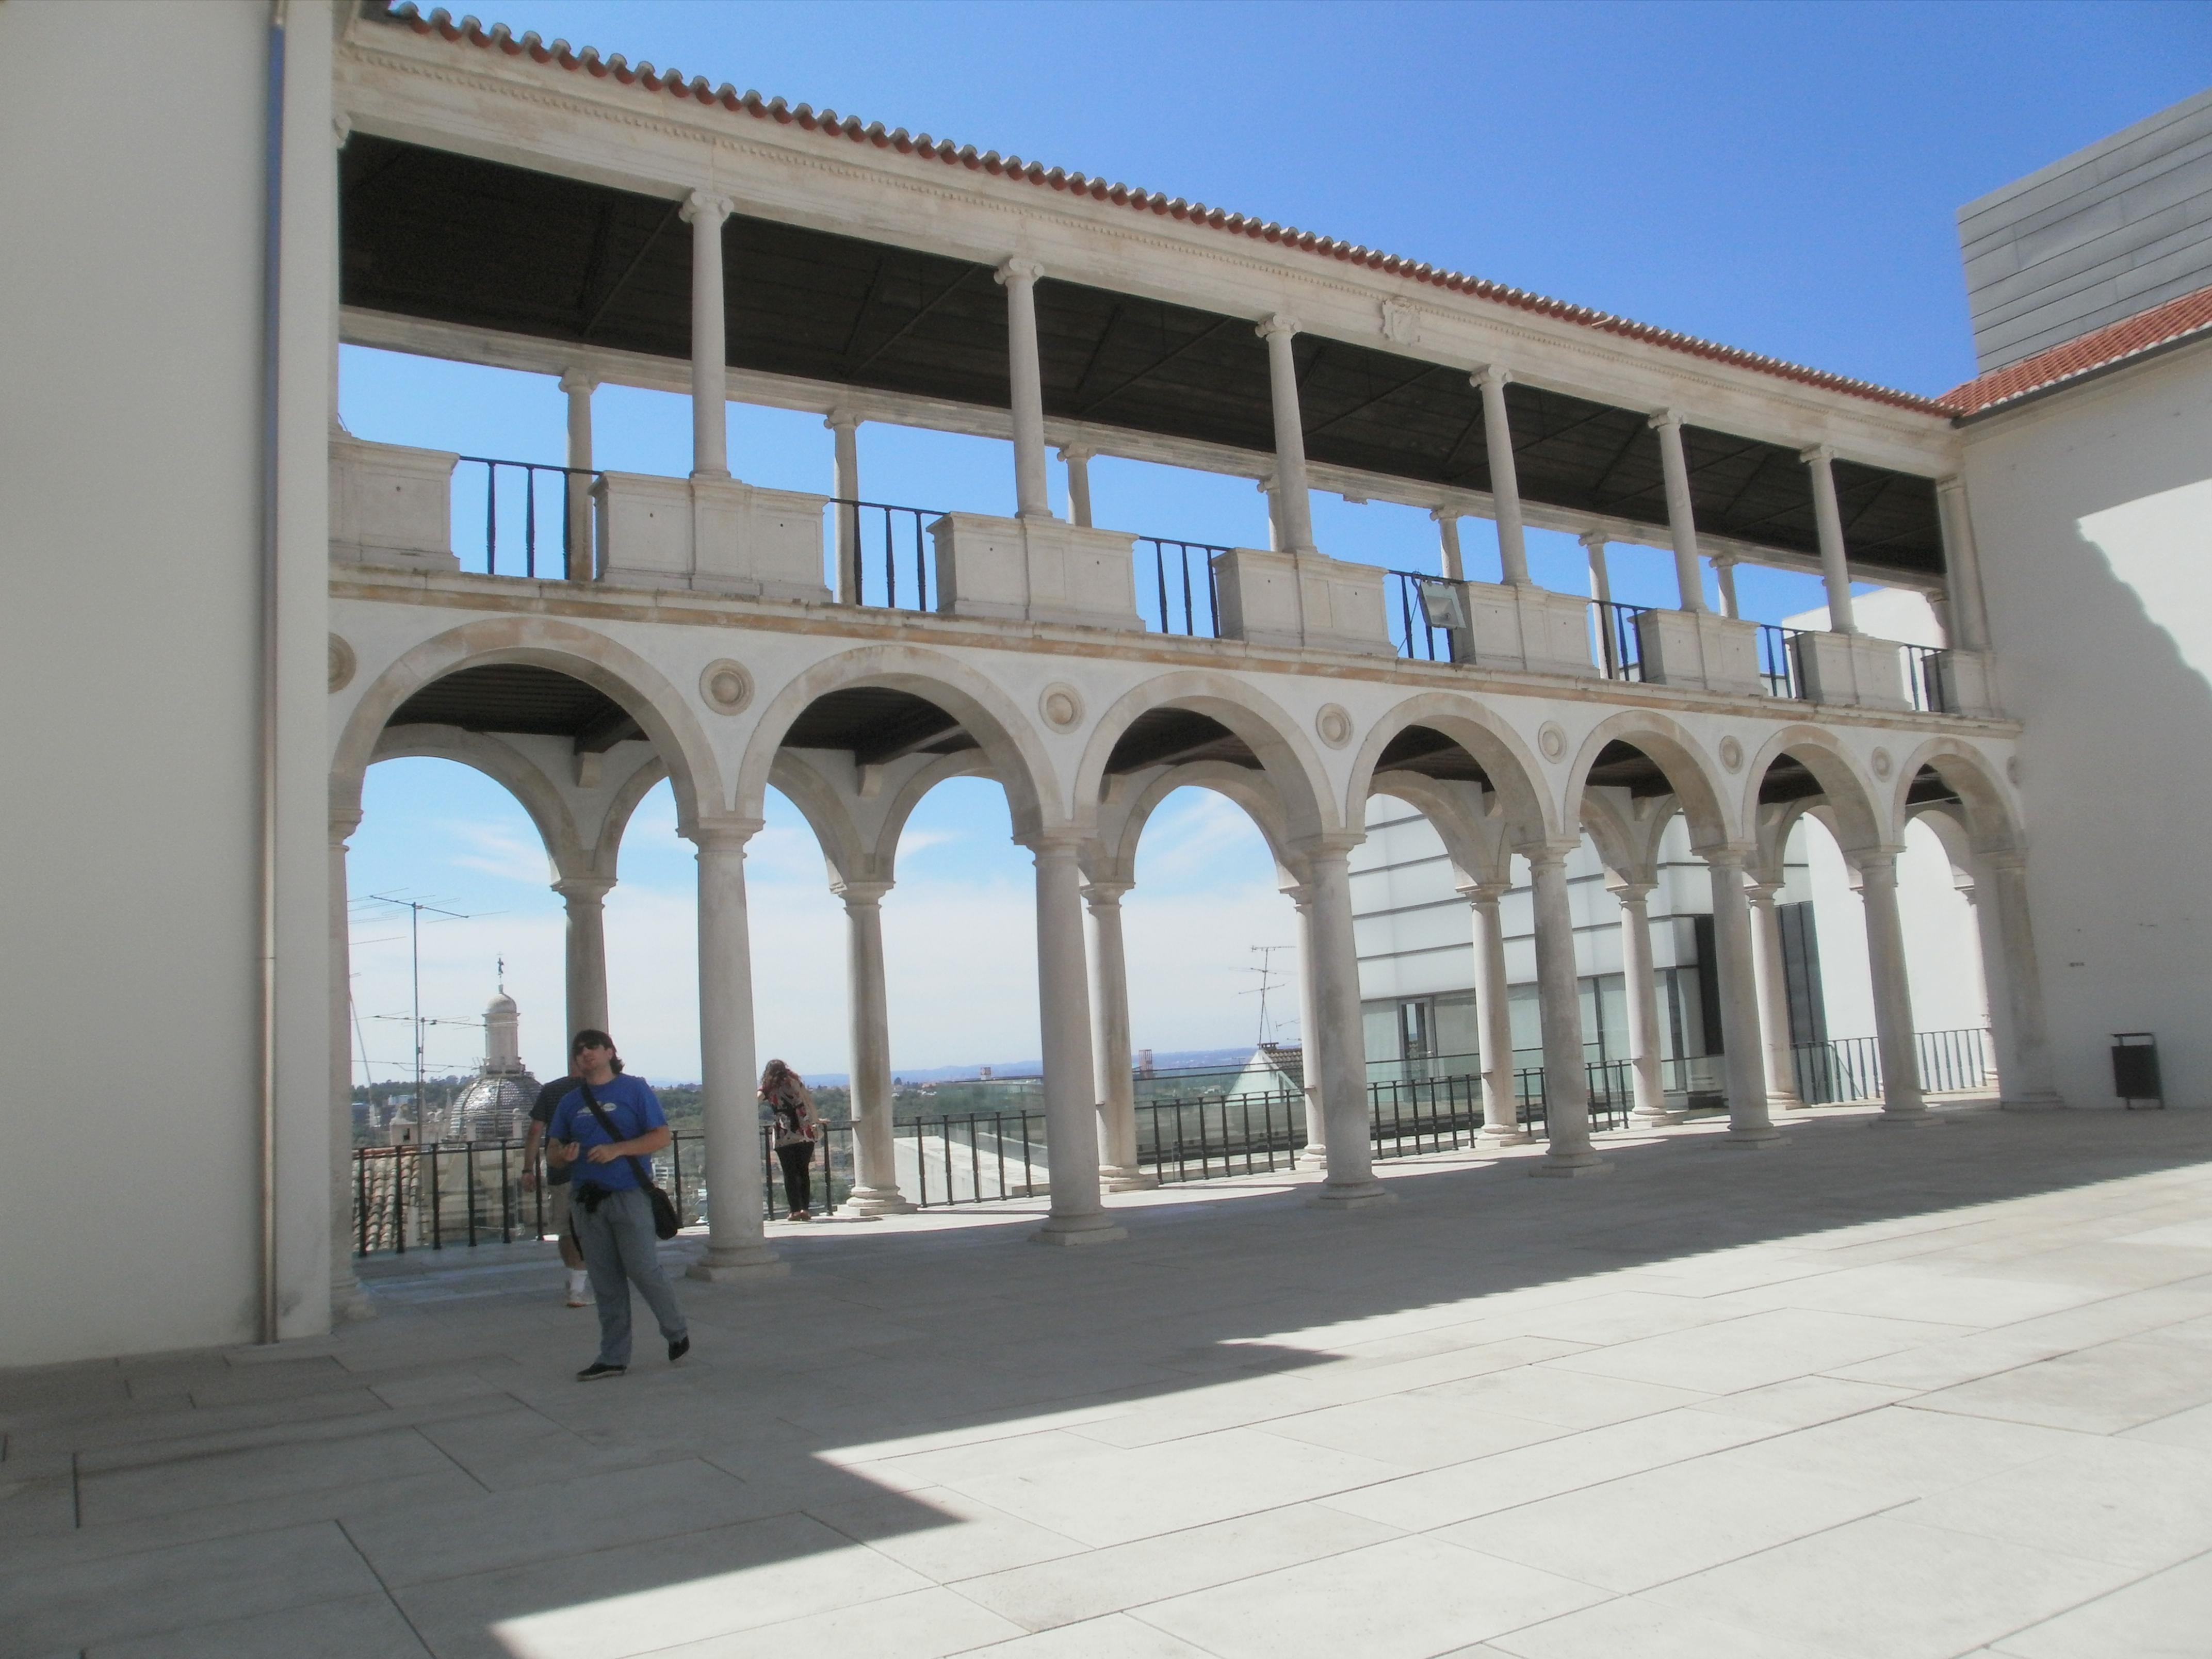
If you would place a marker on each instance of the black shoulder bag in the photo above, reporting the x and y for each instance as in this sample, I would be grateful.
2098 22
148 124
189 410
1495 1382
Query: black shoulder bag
664 1209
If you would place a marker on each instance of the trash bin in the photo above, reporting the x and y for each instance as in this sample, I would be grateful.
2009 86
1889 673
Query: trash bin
2134 1069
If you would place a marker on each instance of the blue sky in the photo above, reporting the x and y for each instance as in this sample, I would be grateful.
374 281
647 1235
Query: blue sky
1779 177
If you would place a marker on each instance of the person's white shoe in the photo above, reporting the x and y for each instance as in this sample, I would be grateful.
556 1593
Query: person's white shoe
577 1295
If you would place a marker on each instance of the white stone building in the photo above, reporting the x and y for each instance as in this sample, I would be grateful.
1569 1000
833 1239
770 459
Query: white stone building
227 610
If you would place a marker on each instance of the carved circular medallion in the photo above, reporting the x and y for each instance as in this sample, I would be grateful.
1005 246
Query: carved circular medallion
1882 763
2011 771
1551 739
341 664
1731 754
1061 706
726 686
1333 725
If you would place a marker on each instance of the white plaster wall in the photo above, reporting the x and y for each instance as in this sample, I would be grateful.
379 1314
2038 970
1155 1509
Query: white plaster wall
2092 509
130 140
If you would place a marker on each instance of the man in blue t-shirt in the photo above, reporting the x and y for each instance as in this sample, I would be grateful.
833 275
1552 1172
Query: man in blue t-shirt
608 1206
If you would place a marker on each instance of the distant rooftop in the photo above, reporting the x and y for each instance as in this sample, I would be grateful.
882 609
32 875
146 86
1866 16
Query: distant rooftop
2104 235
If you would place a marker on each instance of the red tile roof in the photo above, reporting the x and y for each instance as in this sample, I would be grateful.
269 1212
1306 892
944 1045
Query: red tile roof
943 152
2101 348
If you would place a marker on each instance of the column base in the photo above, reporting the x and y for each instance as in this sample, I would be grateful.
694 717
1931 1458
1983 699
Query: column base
1487 1138
1656 1116
1570 1165
1312 1158
2044 1100
1758 1137
1126 1178
872 1201
1096 1228
735 1264
350 1303
1783 1100
1917 1117
1351 1195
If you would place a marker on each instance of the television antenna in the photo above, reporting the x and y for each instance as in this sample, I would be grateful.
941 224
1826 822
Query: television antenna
415 908
1269 979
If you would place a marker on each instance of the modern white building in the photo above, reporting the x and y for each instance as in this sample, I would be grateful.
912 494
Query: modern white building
227 610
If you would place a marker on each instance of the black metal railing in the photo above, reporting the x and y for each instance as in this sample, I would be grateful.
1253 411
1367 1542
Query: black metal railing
1846 1069
1620 648
1202 1136
441 1195
971 1160
559 533
1779 666
879 552
1420 610
829 1175
1928 678
1180 586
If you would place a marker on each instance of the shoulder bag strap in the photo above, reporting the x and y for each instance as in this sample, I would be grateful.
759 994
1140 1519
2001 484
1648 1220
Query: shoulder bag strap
606 1126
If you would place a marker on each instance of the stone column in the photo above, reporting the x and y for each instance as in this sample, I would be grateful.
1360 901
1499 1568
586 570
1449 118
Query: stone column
1116 1093
2025 1039
1835 566
846 487
347 1300
1558 990
1064 1013
1454 566
1681 522
1744 1060
1493 1016
875 1168
1773 996
1724 578
710 373
1901 1101
1032 498
1315 1156
1594 543
1504 481
586 899
579 385
729 1078
1276 541
1641 982
1962 560
1078 462
1292 500
1335 957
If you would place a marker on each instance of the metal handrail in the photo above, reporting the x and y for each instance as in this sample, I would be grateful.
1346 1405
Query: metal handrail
1620 648
1779 664
1164 589
571 521
1419 597
1928 678
851 565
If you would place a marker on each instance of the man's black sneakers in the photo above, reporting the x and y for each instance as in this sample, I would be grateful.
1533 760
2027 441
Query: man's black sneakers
678 1348
597 1369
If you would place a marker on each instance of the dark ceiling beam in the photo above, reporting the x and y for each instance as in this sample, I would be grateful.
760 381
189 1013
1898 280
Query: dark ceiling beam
1155 366
1598 490
630 270
1419 375
853 369
911 741
606 729
1098 348
868 304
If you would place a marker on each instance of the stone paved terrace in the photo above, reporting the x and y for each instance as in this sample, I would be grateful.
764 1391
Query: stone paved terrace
1879 1393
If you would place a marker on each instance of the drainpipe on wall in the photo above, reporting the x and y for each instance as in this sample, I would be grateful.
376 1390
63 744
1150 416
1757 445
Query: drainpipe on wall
271 271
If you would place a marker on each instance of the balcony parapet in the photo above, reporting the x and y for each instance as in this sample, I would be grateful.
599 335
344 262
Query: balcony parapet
1302 600
1698 648
1519 626
1849 670
391 506
711 535
1035 570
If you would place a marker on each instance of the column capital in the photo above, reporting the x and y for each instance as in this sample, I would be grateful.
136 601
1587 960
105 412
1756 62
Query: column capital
1495 374
579 379
1071 453
1728 854
341 127
1484 894
1953 485
1760 891
342 824
1018 269
1594 539
591 887
2010 860
1328 844
860 894
1817 455
1105 895
1279 322
1547 852
1632 893
700 204
1724 561
841 420
722 834
1061 839
1446 515
1665 419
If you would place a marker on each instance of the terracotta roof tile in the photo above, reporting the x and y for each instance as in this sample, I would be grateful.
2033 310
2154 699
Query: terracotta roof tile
587 60
2161 325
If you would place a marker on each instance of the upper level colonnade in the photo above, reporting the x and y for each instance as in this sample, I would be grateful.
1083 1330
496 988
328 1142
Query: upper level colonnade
504 202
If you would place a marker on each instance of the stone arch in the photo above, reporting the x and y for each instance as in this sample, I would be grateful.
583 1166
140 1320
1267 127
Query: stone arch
1286 755
607 855
967 764
1991 819
600 662
826 815
1115 857
1693 775
1496 747
507 767
1016 752
1480 846
1627 841
1855 819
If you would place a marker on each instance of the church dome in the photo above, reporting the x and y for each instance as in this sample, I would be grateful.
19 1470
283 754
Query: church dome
494 1107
